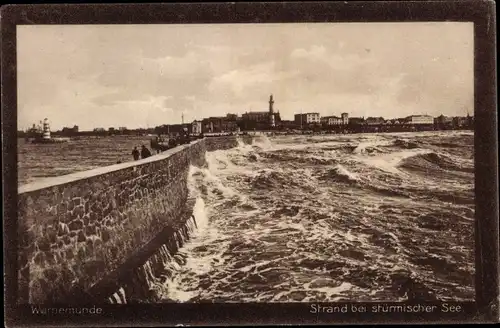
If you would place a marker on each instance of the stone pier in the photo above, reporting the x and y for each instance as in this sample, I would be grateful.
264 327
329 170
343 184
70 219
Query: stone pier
79 232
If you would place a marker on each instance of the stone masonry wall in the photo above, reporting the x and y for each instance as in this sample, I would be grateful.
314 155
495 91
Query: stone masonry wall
76 229
72 233
218 143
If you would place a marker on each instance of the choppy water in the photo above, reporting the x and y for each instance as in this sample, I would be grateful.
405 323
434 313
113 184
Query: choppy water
36 161
354 217
361 217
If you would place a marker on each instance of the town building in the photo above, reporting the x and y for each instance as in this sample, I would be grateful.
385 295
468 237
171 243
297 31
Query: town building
70 131
232 117
419 119
374 121
331 120
345 118
261 119
470 120
356 120
307 118
256 116
393 121
460 121
196 128
443 120
176 129
287 124
218 125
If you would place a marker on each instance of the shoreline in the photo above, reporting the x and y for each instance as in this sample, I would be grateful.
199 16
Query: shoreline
259 132
22 179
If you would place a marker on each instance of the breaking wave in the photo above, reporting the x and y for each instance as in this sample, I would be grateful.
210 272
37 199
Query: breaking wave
435 161
341 174
347 218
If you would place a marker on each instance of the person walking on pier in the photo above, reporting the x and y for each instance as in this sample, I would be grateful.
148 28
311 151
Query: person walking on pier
145 153
135 153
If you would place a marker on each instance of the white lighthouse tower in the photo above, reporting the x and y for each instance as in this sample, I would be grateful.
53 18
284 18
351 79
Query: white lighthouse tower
271 112
46 130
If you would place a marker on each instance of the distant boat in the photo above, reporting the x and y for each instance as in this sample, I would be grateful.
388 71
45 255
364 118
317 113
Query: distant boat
42 136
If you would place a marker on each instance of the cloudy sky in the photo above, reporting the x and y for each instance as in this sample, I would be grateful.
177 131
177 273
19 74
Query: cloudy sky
148 75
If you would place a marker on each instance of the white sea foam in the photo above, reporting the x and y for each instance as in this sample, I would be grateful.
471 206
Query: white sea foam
282 231
263 142
361 147
390 162
341 170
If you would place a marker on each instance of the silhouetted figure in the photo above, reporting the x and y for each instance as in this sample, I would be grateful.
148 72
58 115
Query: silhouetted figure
135 153
145 153
159 143
155 144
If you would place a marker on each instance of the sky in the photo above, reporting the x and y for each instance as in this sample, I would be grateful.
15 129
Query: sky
149 75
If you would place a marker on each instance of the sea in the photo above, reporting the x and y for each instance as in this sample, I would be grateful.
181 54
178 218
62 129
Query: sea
38 161
355 217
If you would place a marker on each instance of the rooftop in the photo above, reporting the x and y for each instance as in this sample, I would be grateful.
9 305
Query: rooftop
265 112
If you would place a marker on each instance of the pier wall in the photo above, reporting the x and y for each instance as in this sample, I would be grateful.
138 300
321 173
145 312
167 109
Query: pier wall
79 233
218 143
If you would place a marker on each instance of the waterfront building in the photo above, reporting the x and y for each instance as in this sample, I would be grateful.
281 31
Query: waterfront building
196 128
443 120
470 120
356 120
255 116
218 124
261 119
70 131
307 118
232 117
460 121
345 118
286 124
419 119
174 129
374 120
99 130
211 124
332 120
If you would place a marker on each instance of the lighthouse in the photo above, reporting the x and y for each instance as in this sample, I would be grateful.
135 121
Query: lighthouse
271 112
46 129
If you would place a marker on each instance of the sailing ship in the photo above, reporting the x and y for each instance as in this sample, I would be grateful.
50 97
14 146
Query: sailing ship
41 134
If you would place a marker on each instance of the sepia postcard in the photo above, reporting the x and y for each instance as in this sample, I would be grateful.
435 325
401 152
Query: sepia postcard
250 163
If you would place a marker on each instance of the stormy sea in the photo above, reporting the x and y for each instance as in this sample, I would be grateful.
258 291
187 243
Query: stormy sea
367 217
355 217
